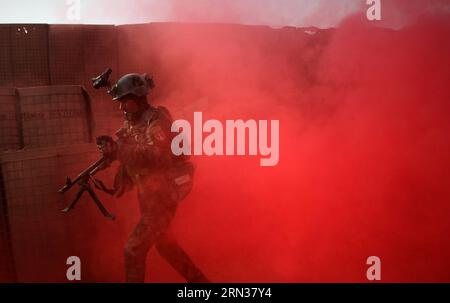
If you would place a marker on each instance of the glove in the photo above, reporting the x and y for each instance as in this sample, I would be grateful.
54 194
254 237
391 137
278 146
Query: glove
107 146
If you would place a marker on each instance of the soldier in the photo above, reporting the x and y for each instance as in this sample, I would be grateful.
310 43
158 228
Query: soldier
162 180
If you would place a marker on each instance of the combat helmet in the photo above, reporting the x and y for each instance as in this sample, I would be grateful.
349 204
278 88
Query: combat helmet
132 84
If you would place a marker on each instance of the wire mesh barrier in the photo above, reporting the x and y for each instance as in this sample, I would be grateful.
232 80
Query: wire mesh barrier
10 137
44 116
49 114
32 210
7 268
38 229
6 68
36 238
29 55
24 55
66 54
54 115
107 124
79 52
100 52
42 55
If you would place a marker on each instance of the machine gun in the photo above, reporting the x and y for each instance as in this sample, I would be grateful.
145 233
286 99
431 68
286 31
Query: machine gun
83 180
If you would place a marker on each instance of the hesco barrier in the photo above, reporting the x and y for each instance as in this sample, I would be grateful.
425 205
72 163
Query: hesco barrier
49 114
77 53
7 268
10 134
39 233
54 115
24 55
107 124
42 55
6 68
100 52
29 54
66 54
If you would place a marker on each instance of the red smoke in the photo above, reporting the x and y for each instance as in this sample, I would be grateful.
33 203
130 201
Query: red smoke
363 158
383 157
364 148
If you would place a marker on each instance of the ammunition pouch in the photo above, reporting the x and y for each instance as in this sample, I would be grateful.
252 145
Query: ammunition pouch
181 176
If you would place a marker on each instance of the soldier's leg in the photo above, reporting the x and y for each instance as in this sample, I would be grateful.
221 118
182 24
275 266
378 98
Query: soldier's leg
170 250
136 249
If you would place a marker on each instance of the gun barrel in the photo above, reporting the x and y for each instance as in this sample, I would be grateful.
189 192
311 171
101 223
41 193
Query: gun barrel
92 169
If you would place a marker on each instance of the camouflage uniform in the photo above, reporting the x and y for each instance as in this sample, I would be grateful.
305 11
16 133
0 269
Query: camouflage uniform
162 180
